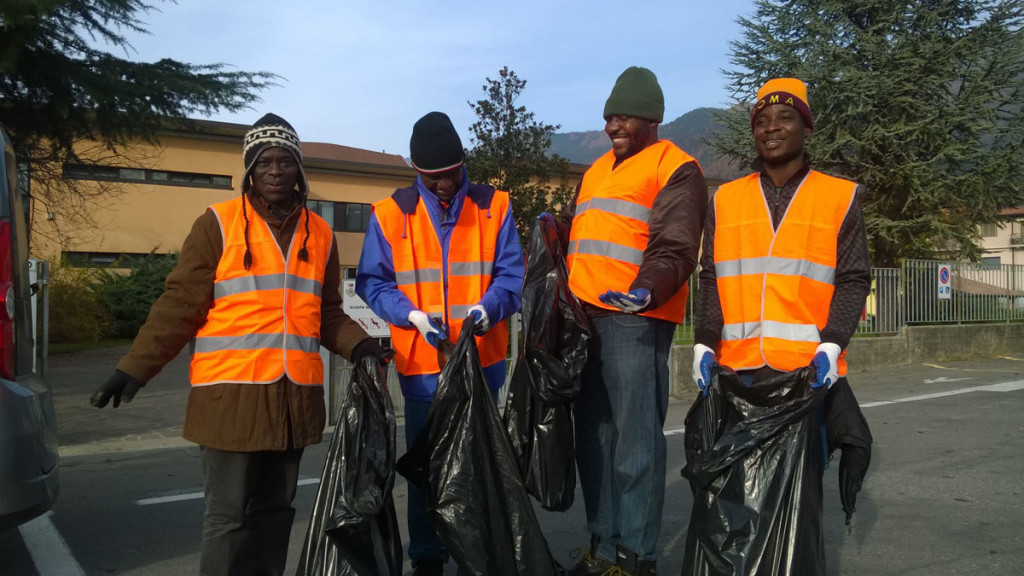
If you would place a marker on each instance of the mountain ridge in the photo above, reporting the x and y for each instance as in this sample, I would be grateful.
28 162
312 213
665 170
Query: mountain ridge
689 131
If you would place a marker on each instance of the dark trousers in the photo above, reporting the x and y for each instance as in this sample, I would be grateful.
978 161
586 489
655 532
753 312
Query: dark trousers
249 511
423 539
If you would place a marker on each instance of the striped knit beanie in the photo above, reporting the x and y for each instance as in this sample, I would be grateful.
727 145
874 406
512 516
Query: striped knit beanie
787 91
268 132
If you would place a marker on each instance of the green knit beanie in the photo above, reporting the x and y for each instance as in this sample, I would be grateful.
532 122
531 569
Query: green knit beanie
636 93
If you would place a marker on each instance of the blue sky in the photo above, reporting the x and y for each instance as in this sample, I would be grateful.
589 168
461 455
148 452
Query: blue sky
361 72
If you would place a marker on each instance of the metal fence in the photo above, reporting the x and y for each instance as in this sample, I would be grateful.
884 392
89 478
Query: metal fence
924 292
918 293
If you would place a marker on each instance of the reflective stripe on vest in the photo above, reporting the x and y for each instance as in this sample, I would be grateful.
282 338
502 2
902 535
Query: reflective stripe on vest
776 286
418 261
264 323
611 226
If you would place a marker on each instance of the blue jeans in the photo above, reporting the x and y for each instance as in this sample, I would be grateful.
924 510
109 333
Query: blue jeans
423 539
620 442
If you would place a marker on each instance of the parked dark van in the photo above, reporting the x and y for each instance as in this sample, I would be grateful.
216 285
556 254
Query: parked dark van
28 424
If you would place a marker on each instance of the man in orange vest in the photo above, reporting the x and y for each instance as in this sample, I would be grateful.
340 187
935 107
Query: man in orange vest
436 254
633 244
785 267
256 292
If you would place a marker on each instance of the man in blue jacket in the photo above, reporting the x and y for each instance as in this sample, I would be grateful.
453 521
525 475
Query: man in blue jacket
438 253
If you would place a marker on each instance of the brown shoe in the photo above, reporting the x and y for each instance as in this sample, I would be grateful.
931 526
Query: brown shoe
589 565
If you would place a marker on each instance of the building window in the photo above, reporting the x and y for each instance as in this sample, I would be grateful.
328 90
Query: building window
989 229
990 263
342 216
142 175
108 259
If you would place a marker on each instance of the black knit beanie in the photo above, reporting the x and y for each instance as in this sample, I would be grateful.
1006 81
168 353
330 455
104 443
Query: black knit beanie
268 132
435 145
636 93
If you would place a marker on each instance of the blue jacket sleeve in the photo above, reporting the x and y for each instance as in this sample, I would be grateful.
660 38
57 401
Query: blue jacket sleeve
504 295
375 278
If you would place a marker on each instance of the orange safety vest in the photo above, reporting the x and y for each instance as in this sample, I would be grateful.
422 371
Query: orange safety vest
421 274
776 286
611 226
265 321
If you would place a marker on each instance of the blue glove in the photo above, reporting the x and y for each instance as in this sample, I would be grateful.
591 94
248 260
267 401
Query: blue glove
826 364
629 302
432 329
481 322
703 361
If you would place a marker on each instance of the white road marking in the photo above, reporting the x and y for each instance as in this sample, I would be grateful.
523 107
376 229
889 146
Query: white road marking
1002 387
49 551
199 495
944 379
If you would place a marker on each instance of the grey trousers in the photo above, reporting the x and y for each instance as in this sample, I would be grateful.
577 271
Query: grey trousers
249 511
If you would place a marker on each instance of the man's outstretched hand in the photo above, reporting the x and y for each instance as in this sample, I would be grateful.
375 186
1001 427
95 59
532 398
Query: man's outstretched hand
120 386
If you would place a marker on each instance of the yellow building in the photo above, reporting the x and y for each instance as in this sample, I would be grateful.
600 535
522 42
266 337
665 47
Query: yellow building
151 194
146 197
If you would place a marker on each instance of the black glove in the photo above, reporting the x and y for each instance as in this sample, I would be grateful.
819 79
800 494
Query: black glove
121 386
370 347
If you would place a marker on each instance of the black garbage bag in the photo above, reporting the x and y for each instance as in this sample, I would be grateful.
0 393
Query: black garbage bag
353 529
849 433
546 378
758 487
463 461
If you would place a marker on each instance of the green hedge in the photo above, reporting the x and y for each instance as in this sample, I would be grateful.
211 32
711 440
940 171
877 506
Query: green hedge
94 304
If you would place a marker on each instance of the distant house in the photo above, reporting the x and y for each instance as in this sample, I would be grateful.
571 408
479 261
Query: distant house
1003 242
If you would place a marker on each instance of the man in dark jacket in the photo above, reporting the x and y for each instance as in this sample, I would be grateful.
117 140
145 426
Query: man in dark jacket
256 292
784 278
633 242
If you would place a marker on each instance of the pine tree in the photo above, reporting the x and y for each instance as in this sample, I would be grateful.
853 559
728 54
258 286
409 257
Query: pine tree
58 91
918 100
510 152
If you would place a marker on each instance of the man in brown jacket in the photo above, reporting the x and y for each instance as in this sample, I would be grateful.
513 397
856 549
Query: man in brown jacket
256 292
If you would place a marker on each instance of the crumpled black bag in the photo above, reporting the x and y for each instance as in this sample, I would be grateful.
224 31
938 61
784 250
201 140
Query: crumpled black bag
463 461
849 433
353 529
546 378
755 460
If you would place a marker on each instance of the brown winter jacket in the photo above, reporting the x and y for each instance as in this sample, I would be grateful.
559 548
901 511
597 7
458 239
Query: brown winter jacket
238 417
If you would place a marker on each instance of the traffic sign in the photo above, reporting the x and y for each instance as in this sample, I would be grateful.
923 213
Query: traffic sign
360 311
945 282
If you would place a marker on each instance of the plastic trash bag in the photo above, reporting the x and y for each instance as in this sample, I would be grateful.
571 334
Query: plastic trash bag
755 459
546 379
848 432
353 529
463 461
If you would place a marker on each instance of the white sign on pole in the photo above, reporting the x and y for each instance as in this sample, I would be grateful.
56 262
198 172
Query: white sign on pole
945 282
360 311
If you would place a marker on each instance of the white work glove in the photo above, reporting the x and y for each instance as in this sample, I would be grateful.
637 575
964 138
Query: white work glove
478 316
431 328
703 361
826 362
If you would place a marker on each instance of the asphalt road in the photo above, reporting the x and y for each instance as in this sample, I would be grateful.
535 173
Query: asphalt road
943 495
